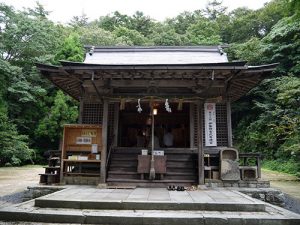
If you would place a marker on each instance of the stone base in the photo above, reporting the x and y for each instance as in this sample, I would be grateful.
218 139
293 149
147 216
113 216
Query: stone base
38 191
270 195
81 180
241 183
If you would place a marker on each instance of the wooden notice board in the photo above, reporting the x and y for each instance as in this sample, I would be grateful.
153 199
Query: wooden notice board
81 152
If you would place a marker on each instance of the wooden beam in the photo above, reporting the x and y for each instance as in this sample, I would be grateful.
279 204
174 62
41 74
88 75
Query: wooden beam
116 122
192 125
104 141
229 126
200 143
80 110
158 83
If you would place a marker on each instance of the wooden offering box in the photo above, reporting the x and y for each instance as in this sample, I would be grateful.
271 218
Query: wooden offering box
81 153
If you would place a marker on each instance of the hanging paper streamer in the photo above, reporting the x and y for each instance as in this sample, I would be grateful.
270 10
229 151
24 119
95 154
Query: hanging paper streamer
139 106
179 107
122 104
167 106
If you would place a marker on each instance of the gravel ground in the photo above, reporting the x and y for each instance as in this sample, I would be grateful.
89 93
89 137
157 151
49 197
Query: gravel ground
15 180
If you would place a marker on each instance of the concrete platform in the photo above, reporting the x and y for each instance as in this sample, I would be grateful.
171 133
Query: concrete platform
89 205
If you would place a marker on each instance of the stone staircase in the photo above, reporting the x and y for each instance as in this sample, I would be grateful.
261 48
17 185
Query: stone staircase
147 206
181 168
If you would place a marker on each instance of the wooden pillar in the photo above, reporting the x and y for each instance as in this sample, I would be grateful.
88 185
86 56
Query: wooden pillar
200 143
258 166
80 111
104 141
116 123
192 125
229 127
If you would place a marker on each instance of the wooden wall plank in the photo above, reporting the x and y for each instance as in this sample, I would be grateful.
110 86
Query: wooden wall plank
104 141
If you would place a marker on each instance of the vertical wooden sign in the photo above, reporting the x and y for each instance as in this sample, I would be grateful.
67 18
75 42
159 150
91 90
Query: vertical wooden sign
210 124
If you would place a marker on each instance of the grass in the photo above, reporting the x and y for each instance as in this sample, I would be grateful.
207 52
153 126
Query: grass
289 167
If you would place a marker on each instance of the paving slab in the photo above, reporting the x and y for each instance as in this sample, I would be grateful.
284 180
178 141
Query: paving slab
27 212
149 199
148 206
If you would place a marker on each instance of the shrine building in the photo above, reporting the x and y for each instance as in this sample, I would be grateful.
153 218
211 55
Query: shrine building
132 97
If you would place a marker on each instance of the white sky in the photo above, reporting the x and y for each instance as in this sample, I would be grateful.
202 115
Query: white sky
63 10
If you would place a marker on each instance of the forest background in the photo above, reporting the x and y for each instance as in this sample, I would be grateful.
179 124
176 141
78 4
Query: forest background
33 111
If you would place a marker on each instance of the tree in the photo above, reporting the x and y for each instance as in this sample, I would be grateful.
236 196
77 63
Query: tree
110 22
24 37
130 37
140 23
79 21
214 9
71 50
282 45
168 37
98 37
63 111
250 51
204 32
181 22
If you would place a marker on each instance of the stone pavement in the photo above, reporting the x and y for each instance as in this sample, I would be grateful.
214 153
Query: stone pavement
89 205
86 193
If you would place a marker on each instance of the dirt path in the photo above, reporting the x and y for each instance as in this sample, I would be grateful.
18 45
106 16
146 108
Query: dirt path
16 179
286 183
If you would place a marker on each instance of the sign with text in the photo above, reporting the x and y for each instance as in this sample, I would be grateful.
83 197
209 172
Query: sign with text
210 124
89 133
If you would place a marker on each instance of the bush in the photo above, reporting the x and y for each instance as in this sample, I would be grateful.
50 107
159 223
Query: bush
14 148
291 166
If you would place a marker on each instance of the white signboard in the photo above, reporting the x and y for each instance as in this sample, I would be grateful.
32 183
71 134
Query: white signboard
210 124
94 148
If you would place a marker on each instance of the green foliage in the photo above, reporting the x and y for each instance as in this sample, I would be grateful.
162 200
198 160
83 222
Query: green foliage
282 45
130 37
167 37
71 50
110 22
98 37
79 21
290 166
181 22
276 129
63 111
25 36
14 148
251 51
214 9
204 32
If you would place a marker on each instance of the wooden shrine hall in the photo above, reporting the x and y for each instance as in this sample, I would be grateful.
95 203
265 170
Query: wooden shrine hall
132 98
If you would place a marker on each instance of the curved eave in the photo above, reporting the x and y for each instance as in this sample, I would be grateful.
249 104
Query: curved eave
61 79
237 77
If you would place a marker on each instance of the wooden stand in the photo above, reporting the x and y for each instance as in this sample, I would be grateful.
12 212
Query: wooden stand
82 151
160 165
52 171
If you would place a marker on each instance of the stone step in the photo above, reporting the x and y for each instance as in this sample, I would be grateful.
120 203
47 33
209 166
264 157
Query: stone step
148 205
28 213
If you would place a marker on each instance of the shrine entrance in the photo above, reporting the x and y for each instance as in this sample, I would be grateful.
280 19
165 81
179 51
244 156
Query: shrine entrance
134 125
